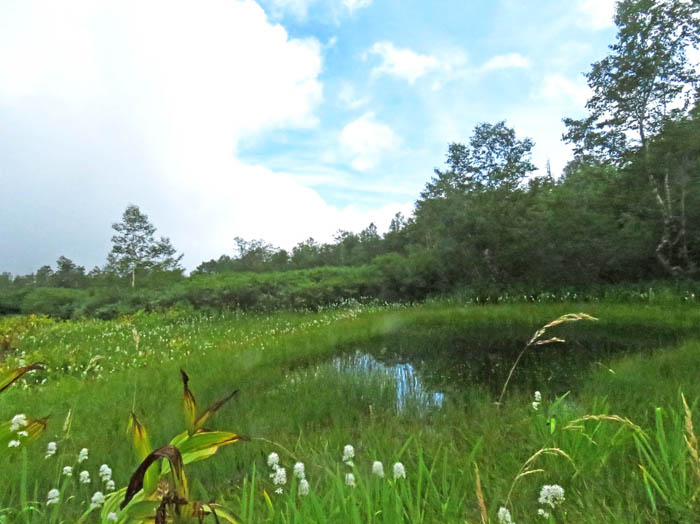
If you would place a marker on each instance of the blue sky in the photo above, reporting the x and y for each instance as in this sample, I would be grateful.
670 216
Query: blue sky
420 75
280 120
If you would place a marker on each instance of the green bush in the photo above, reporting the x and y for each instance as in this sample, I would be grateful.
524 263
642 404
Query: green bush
56 302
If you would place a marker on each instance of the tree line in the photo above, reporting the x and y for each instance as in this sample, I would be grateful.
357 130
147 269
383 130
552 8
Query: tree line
625 209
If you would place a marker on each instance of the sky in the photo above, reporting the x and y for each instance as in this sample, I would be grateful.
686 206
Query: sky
276 119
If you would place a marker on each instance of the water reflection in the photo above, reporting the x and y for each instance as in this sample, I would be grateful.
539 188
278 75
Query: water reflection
410 390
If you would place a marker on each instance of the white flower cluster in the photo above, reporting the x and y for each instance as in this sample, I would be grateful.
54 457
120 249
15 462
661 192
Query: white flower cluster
399 471
348 454
537 401
53 497
350 480
68 471
84 477
300 473
106 476
18 421
378 469
16 424
97 500
552 495
105 473
112 517
504 516
50 449
83 455
279 474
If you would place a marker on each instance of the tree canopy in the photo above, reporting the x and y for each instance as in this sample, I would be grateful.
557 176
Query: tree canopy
135 248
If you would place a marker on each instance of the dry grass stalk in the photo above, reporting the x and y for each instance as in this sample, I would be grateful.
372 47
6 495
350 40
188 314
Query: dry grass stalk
576 424
480 497
691 440
526 470
535 341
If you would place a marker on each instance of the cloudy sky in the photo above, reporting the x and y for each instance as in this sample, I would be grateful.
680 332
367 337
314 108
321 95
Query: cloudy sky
280 119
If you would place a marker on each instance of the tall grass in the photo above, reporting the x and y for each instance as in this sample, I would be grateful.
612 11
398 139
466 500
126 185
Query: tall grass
292 403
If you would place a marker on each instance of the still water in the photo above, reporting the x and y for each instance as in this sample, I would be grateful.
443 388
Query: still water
410 389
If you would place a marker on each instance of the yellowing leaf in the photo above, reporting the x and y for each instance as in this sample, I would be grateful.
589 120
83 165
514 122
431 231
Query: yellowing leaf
189 404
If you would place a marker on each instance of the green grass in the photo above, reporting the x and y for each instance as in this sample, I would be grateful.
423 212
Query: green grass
635 359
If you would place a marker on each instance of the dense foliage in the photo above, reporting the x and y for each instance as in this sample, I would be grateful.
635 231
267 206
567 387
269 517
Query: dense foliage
625 210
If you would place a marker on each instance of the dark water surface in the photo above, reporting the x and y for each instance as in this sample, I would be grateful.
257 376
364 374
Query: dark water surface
430 364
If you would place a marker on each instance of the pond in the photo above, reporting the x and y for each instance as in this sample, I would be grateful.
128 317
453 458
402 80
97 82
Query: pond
424 366
410 389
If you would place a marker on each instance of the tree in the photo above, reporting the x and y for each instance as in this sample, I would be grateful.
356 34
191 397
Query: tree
68 274
494 159
472 215
645 82
253 255
44 276
134 247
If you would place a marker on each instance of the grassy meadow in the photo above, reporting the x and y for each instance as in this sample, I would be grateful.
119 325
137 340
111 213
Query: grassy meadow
610 427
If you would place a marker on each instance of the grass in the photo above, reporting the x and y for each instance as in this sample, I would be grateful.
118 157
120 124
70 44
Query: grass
628 370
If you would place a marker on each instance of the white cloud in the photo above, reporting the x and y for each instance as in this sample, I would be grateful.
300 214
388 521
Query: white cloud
597 14
111 103
507 61
557 88
353 5
297 8
403 63
366 139
348 97
300 8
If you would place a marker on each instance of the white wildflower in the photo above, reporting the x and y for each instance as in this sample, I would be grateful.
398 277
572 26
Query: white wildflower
378 469
13 444
97 500
22 434
83 456
279 477
303 487
68 471
551 495
504 516
52 497
279 491
84 477
537 401
542 513
105 473
273 460
348 454
50 449
350 480
18 421
112 516
399 471
110 485
299 470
